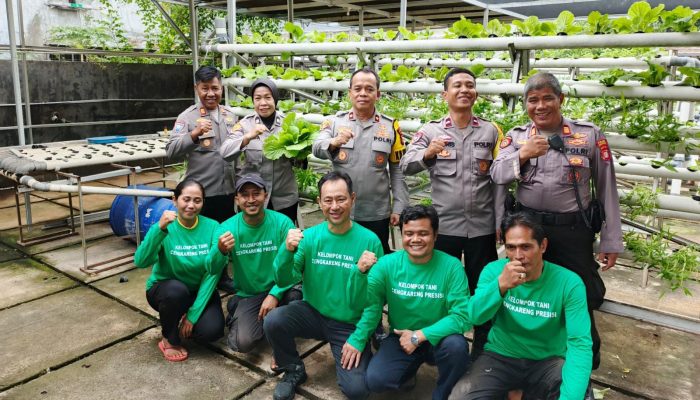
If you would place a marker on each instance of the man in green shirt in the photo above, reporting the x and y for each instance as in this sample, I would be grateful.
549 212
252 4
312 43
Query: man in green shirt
251 240
330 259
540 341
426 291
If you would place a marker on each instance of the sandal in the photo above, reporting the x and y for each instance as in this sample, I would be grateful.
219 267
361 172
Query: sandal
171 357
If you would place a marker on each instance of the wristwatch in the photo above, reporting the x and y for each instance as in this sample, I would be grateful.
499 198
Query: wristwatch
414 339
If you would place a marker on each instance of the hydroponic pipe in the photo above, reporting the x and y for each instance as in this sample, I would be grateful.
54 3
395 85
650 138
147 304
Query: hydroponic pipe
672 203
660 172
31 182
675 93
602 62
670 39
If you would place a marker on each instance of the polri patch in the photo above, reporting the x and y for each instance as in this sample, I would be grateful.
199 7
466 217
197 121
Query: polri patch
179 126
506 142
604 149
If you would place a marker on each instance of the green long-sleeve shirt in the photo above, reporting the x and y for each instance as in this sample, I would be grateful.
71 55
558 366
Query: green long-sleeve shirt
254 253
431 297
326 263
181 254
539 319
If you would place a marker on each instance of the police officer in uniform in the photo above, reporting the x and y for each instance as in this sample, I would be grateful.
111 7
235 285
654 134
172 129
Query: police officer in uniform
458 151
554 159
248 137
367 146
198 133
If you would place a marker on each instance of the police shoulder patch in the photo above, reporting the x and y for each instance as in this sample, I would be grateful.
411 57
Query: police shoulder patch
179 126
506 142
326 124
584 123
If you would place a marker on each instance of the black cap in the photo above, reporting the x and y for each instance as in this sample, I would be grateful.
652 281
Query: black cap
267 83
250 178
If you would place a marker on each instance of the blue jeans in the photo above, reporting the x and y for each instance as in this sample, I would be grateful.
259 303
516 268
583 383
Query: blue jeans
391 366
299 319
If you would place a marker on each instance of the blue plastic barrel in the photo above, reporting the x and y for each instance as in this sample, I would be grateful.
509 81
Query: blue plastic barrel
121 214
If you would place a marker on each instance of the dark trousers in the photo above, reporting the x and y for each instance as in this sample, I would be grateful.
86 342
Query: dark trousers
291 211
572 247
478 251
391 366
245 330
171 298
381 229
219 208
298 319
493 375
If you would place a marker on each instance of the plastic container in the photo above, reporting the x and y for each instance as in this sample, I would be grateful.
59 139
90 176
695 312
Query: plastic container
107 139
121 214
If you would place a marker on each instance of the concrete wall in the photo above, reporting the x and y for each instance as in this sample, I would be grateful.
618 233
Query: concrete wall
39 17
53 81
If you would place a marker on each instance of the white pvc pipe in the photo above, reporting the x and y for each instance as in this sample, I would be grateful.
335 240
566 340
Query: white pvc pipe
600 63
621 142
673 203
636 178
678 215
661 172
486 87
29 181
674 39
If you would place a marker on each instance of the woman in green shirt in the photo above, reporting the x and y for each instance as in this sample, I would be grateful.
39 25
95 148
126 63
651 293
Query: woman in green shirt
180 288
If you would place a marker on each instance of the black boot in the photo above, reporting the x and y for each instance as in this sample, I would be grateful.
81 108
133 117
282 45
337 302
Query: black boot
295 376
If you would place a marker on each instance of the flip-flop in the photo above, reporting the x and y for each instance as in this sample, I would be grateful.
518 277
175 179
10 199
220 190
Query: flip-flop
171 358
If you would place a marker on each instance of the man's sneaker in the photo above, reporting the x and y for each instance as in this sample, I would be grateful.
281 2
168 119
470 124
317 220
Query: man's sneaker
295 376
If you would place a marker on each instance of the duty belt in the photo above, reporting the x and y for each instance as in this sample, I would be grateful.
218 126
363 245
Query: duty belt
550 218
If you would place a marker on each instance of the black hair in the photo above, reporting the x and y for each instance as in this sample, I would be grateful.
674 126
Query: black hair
524 219
186 183
335 176
419 211
455 71
206 73
366 70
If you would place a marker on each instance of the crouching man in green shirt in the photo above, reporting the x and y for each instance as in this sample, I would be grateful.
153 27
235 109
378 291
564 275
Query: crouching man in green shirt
540 342
330 259
427 294
251 240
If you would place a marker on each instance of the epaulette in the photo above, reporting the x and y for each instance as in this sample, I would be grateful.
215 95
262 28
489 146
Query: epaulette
483 119
583 123
435 121
191 108
342 113
387 117
520 128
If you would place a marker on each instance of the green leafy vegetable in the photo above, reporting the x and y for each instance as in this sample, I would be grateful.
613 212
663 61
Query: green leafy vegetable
680 19
565 24
653 76
293 141
642 17
295 32
465 28
692 76
598 23
497 29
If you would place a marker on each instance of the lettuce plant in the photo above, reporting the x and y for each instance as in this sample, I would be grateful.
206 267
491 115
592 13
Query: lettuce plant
293 141
692 76
598 23
565 24
642 17
465 28
497 29
680 19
